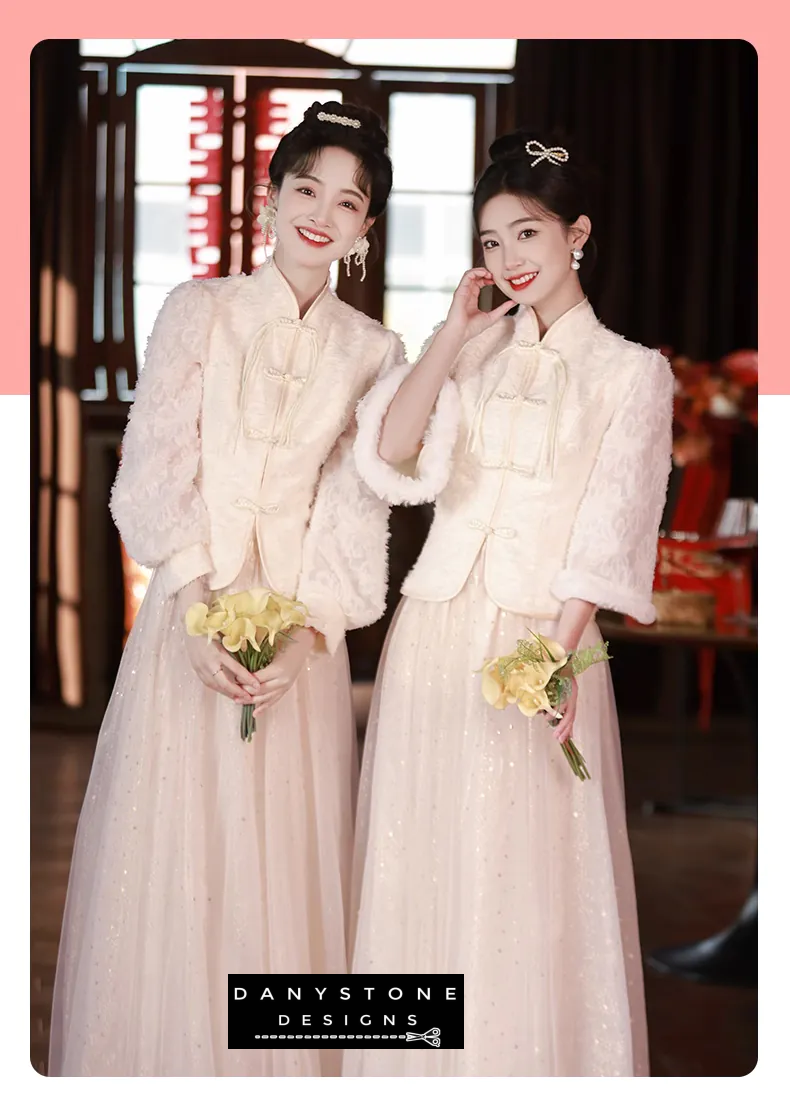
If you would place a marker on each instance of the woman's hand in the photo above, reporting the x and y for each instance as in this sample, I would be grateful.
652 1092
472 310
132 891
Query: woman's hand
564 729
216 668
219 670
575 616
274 682
406 420
465 320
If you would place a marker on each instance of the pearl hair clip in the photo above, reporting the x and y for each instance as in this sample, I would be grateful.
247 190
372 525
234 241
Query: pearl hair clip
339 118
553 155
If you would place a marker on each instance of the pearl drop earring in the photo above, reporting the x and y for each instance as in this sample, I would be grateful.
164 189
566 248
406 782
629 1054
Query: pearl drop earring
577 255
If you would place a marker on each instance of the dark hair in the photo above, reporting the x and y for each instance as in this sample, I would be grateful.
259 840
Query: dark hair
564 189
299 149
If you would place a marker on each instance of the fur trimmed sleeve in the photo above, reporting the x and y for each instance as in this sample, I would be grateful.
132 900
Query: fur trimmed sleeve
612 551
420 481
343 579
154 502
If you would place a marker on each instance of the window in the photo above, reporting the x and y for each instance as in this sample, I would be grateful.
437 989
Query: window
179 144
177 194
117 47
429 220
436 53
178 169
178 184
483 53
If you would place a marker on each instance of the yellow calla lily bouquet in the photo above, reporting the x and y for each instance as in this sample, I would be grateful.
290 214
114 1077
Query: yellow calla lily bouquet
537 677
250 624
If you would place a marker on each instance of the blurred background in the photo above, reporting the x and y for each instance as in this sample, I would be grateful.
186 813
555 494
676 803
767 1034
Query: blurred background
147 157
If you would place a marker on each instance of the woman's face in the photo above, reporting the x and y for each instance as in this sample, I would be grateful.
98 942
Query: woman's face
527 249
321 213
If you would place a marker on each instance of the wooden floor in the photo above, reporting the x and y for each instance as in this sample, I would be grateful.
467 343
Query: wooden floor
692 874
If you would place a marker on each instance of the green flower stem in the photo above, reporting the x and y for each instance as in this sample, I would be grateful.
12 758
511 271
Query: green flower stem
570 759
580 761
253 661
247 722
575 759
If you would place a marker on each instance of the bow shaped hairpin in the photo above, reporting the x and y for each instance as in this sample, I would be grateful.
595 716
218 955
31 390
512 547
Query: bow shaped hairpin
553 155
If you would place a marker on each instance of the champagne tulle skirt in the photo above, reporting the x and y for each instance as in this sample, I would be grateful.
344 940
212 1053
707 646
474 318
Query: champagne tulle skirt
478 852
198 855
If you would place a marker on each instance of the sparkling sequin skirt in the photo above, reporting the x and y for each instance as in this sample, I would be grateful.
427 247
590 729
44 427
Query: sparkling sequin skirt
478 852
198 855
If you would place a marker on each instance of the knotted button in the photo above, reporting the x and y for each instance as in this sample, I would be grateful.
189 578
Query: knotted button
289 378
503 531
257 507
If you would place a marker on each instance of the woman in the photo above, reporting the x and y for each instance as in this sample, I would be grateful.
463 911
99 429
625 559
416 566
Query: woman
478 851
197 854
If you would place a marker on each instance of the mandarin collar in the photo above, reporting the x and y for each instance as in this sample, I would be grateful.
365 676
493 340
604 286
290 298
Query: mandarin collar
564 333
280 299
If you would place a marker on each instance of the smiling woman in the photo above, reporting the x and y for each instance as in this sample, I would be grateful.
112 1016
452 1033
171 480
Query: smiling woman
330 179
198 854
552 480
532 209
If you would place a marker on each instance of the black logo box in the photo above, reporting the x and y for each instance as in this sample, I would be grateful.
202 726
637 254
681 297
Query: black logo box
418 1011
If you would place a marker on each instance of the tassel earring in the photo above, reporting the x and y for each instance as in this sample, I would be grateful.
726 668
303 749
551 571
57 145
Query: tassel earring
266 219
358 253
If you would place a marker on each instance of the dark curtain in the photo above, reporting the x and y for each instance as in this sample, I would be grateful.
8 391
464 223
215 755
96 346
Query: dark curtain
53 295
671 129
